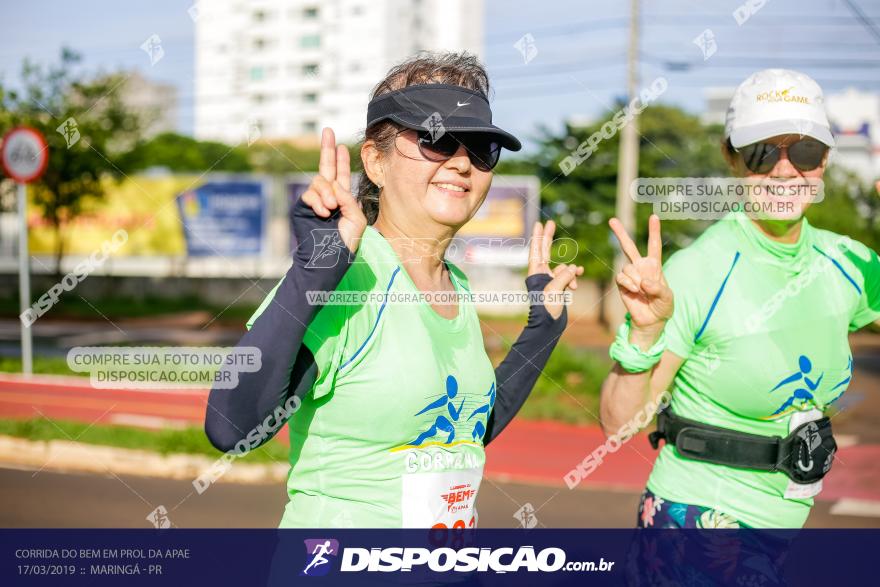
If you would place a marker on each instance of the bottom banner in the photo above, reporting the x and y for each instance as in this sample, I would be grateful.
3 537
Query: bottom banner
437 557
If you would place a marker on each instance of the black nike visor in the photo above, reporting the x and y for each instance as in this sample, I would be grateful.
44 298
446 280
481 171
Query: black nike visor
427 107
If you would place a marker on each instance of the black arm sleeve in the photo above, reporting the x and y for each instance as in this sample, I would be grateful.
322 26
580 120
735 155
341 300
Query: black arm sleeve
286 365
516 375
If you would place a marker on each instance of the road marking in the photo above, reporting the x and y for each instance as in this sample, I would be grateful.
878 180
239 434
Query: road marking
845 440
152 422
856 507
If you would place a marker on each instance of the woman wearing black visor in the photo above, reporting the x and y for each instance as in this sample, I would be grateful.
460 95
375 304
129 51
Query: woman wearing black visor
398 400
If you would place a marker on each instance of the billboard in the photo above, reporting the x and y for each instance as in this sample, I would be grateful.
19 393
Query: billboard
225 217
496 235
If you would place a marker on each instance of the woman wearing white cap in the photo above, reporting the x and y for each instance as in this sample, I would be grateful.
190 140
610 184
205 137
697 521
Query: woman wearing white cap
748 329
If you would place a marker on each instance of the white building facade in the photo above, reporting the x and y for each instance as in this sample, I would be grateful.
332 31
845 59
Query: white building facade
291 67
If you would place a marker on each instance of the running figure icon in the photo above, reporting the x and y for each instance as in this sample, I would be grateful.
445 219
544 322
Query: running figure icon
319 559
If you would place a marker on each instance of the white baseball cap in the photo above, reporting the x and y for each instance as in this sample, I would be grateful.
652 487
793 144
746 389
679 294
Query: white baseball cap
776 102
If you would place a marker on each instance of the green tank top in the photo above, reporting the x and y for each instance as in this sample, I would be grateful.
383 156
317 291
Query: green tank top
762 327
391 433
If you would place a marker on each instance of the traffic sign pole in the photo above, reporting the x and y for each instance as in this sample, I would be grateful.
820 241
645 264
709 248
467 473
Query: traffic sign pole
24 282
24 157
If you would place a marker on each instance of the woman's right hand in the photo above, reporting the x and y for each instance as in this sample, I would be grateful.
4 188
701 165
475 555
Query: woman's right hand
331 189
642 287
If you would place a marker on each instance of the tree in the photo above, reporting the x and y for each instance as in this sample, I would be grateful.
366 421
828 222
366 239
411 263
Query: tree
86 126
283 158
180 153
849 207
673 143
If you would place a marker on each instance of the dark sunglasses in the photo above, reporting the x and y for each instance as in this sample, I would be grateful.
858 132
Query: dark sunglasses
483 150
806 154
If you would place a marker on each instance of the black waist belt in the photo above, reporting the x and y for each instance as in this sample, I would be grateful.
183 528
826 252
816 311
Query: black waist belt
805 455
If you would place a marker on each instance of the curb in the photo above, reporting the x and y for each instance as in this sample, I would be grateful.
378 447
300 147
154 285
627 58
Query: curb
65 456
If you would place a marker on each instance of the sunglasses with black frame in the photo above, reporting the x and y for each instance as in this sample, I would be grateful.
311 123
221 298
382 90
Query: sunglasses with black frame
806 154
483 149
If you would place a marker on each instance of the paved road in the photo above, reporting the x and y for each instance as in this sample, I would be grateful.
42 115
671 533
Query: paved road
47 499
528 452
525 465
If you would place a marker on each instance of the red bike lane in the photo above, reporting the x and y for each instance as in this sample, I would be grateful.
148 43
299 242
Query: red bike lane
532 452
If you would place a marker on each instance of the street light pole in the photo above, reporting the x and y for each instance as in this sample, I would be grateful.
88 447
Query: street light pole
628 157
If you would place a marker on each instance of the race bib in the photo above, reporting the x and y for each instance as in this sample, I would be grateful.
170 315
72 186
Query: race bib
444 499
798 490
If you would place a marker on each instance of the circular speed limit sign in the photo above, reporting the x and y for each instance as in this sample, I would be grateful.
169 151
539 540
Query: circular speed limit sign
24 154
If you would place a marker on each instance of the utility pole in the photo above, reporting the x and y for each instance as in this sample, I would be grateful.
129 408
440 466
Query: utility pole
627 162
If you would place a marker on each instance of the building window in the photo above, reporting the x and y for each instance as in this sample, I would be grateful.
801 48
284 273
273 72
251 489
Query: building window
310 13
259 44
310 127
309 41
310 97
310 69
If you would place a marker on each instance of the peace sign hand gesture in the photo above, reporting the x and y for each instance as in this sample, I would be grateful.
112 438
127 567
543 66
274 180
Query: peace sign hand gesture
564 276
331 189
641 283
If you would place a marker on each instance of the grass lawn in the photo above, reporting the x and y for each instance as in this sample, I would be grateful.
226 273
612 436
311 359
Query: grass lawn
70 306
42 366
567 390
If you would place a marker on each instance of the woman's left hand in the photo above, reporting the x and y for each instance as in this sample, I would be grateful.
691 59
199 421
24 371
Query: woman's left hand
564 276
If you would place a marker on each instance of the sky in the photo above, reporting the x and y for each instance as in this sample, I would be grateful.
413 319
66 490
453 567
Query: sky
578 70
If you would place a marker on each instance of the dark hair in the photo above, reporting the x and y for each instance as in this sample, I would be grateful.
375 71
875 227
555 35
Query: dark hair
459 69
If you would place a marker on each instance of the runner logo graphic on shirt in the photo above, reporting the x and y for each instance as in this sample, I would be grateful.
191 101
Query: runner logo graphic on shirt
442 424
844 382
800 394
807 387
318 551
480 426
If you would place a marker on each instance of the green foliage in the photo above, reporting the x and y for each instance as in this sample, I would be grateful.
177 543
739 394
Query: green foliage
41 365
47 100
284 158
568 388
850 207
672 144
180 153
126 307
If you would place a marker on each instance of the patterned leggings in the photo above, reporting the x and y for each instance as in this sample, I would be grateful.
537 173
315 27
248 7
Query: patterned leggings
656 512
675 548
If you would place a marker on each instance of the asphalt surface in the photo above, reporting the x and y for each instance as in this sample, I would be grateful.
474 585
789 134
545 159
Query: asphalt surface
43 499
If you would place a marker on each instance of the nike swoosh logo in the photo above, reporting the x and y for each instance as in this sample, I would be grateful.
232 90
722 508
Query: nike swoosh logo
459 104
